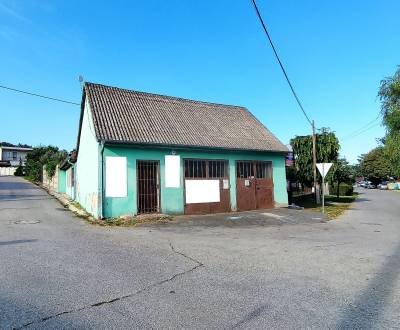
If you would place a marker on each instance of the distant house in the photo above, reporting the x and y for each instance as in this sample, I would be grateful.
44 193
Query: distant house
13 155
146 153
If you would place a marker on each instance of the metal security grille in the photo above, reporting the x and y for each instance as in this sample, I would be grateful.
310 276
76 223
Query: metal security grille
263 170
148 183
204 169
244 169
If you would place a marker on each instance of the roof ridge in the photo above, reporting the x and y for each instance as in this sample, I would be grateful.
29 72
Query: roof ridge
167 97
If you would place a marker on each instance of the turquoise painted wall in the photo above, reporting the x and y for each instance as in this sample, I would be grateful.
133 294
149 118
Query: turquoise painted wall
172 198
87 166
61 181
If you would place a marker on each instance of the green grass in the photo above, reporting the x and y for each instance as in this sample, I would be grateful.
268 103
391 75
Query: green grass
334 206
132 221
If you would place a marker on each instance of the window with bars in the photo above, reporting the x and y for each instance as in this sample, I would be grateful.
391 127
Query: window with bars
203 169
248 169
263 170
244 169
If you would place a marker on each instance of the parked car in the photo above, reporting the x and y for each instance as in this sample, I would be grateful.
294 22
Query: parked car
383 185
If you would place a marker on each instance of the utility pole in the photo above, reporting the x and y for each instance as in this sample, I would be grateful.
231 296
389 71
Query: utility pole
314 147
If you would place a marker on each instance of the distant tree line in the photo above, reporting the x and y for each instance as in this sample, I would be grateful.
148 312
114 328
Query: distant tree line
19 145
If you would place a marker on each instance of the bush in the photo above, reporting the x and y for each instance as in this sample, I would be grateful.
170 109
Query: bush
344 189
49 156
19 171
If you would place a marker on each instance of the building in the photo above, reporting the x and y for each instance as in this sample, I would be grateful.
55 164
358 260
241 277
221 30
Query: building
143 153
13 155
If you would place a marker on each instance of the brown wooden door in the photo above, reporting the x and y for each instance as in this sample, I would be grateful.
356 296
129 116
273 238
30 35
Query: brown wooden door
203 169
254 185
264 185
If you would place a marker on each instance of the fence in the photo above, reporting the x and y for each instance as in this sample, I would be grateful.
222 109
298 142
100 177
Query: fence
7 170
51 183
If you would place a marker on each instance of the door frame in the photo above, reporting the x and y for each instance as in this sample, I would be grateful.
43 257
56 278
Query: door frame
253 165
158 185
220 179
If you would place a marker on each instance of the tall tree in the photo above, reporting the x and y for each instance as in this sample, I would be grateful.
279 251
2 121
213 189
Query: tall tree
389 94
327 152
375 165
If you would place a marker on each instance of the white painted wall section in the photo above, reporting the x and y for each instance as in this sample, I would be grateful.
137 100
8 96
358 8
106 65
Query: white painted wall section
116 177
202 191
172 171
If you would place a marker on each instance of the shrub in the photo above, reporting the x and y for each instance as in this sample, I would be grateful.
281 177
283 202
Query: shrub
19 171
344 189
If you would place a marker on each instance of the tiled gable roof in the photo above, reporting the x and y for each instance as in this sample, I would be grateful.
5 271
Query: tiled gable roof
126 116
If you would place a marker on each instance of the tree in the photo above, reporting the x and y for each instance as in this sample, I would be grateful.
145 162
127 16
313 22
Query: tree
389 94
20 145
41 156
375 166
327 145
342 173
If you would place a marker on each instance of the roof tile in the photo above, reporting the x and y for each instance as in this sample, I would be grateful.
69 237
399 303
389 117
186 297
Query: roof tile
127 116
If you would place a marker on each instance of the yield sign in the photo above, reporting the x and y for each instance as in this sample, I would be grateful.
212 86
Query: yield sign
324 168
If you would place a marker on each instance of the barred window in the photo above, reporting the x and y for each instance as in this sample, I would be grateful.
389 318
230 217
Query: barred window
216 169
195 168
263 170
200 168
244 169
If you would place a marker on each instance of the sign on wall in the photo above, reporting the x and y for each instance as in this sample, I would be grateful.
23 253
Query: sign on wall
202 191
172 171
116 177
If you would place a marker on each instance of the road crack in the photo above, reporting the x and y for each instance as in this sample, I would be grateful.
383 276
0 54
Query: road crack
185 256
105 302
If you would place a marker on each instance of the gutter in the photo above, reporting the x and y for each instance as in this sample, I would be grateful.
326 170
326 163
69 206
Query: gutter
198 148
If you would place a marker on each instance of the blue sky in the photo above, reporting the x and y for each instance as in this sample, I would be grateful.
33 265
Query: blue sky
335 52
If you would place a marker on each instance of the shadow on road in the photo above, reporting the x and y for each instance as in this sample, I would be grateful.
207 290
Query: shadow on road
367 308
18 241
12 185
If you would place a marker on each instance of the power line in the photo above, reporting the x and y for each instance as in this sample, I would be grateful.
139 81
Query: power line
362 128
38 95
361 132
280 62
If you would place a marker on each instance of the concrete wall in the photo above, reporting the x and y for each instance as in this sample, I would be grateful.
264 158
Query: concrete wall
50 183
172 199
87 166
7 171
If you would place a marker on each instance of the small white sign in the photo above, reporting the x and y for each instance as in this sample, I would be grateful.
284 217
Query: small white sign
225 184
116 177
324 168
172 171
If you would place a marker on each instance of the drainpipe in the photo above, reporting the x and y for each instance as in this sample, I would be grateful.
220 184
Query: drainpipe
102 181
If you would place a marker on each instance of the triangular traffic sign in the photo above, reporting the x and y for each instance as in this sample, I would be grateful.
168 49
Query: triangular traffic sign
324 168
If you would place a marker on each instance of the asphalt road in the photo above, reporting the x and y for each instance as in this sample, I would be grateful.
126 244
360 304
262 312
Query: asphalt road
59 272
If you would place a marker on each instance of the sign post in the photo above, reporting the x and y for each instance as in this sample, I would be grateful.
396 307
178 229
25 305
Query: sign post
323 168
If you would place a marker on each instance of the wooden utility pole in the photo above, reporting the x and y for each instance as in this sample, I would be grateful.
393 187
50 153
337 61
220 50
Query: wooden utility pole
314 147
